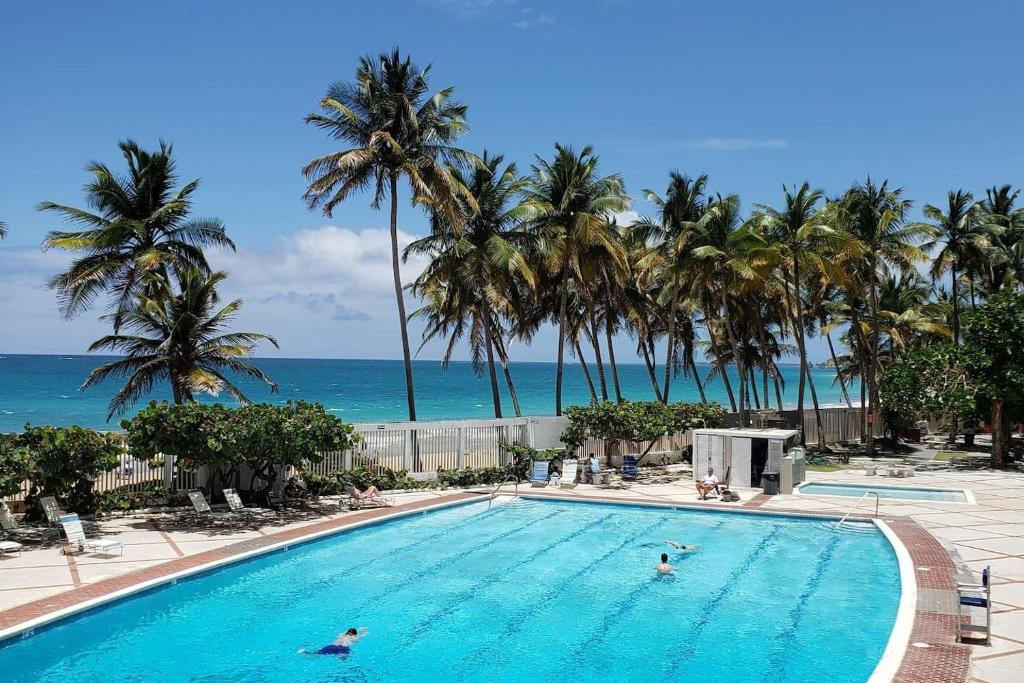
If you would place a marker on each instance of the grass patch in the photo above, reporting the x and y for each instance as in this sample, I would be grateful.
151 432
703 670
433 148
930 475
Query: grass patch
827 467
948 456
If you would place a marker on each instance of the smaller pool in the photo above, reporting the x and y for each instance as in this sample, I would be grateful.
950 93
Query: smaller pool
898 492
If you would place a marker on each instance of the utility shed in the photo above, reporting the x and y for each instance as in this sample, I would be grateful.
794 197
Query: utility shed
741 454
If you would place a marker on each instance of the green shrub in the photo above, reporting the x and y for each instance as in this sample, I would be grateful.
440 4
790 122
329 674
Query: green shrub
133 497
472 476
362 478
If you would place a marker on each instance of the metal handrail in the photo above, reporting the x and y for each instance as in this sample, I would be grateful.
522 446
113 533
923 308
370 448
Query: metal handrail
859 501
504 481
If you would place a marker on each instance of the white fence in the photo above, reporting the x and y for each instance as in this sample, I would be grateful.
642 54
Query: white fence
423 448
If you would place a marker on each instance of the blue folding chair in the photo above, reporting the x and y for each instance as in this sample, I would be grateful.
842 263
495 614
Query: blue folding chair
630 466
974 595
539 473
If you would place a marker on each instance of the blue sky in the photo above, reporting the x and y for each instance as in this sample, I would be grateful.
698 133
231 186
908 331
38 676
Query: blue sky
927 94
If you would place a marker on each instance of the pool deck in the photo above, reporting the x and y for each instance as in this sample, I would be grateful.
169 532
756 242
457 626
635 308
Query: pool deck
942 539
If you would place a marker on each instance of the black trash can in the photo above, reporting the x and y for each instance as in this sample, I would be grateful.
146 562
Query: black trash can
770 483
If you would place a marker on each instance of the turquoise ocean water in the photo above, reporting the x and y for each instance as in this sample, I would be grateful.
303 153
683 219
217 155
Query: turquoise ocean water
45 389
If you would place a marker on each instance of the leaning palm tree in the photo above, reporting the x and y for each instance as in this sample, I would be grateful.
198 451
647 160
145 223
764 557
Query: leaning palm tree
961 239
178 335
569 206
396 130
138 226
476 271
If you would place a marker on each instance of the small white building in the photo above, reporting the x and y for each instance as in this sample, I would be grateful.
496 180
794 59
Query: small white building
743 454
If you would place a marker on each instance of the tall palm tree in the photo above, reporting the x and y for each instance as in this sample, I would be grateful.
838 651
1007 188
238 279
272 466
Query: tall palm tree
806 244
3 230
396 130
474 272
733 260
569 206
875 216
961 238
179 335
1005 222
683 205
138 226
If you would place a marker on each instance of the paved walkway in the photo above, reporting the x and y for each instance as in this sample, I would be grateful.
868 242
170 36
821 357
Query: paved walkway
987 533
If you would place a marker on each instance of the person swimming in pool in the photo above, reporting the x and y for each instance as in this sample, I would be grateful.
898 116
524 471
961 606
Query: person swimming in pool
664 567
683 547
342 645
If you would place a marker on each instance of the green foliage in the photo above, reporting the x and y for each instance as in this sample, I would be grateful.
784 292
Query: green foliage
472 476
15 465
63 462
927 381
362 478
637 421
993 349
135 497
198 433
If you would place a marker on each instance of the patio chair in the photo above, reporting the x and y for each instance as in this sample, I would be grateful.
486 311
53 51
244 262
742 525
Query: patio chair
974 595
723 486
76 537
51 510
570 472
630 466
9 547
595 475
201 510
357 500
539 473
236 505
11 528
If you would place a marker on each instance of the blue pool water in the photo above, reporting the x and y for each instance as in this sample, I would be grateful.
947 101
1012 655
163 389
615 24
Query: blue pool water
900 492
526 591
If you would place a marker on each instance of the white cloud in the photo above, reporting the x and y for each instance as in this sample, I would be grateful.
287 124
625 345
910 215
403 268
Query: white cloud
528 18
626 217
733 144
470 9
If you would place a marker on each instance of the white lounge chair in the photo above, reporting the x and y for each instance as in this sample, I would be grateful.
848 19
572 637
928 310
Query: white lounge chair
51 510
10 527
201 509
236 505
539 473
357 500
10 547
76 537
570 472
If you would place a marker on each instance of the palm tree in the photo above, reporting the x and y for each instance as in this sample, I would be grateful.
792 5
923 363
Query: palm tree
396 130
3 230
138 226
962 240
732 260
475 272
684 204
875 216
178 335
569 207
806 244
1005 222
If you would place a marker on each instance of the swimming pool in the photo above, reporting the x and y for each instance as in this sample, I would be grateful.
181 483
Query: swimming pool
529 590
896 492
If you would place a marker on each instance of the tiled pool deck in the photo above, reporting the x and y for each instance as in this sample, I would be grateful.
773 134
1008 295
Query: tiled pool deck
990 532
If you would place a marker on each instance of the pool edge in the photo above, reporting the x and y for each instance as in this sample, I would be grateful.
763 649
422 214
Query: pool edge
903 625
969 498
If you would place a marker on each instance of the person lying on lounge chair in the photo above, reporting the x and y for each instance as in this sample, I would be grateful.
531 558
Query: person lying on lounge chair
342 645
707 484
371 493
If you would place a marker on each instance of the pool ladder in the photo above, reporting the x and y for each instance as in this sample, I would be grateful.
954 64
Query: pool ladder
859 501
504 481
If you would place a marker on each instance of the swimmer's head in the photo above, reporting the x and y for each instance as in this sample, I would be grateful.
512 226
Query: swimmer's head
351 632
664 557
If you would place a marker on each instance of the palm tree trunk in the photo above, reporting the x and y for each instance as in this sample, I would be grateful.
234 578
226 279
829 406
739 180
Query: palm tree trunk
597 351
670 344
718 357
736 357
499 344
611 362
696 379
396 273
491 372
586 371
835 364
872 365
778 391
753 388
798 324
956 309
649 364
561 343
817 409
999 440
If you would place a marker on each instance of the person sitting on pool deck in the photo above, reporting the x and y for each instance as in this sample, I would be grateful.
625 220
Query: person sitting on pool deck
707 484
664 567
342 645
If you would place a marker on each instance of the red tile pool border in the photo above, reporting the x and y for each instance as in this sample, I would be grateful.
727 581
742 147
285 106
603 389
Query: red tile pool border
942 661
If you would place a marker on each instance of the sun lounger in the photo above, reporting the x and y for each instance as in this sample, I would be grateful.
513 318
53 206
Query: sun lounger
11 528
201 509
51 510
76 537
235 504
357 500
539 473
570 472
10 547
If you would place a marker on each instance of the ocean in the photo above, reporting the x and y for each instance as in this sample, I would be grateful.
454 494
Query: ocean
44 390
